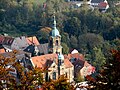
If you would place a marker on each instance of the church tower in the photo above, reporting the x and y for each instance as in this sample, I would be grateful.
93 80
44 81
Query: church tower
55 40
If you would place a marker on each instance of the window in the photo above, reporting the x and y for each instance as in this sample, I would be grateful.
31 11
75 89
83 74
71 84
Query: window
53 66
57 42
54 75
73 72
51 43
66 74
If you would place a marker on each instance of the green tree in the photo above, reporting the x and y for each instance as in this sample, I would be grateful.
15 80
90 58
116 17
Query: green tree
74 42
88 41
73 26
65 48
65 38
98 58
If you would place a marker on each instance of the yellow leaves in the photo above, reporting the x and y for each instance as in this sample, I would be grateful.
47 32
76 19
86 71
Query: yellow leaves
15 51
28 79
2 57
60 84
46 29
10 69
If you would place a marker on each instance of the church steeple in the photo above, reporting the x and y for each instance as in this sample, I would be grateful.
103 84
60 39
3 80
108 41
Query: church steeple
55 39
54 31
54 22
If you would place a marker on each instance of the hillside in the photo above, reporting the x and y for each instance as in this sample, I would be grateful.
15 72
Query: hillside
92 33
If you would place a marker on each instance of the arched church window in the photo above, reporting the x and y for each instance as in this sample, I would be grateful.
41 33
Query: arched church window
66 75
57 42
54 75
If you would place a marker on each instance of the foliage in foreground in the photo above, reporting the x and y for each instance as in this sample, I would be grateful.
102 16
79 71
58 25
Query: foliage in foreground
14 76
59 84
109 76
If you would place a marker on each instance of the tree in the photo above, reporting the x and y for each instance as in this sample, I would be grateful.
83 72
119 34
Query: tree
44 34
65 48
88 41
65 38
98 58
109 76
59 84
73 26
14 76
74 42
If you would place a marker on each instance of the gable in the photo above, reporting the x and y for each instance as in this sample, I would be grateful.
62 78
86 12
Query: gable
21 42
32 40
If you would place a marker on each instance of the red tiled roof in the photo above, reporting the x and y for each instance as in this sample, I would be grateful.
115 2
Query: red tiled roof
6 40
67 63
2 50
76 55
1 39
40 61
103 5
32 40
43 60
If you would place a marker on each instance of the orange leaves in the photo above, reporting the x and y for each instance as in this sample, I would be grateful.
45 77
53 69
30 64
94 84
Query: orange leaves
26 79
60 84
109 75
114 51
90 78
46 29
116 54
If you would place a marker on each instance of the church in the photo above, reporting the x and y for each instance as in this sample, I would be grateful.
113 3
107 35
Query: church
54 60
72 65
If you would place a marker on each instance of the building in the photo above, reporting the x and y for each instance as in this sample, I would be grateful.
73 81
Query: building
78 3
54 60
10 43
81 67
47 56
102 5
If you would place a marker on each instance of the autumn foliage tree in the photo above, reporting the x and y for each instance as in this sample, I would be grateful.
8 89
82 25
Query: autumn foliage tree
14 76
59 84
109 76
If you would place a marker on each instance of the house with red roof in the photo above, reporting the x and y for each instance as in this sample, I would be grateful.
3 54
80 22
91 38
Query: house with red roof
102 5
81 66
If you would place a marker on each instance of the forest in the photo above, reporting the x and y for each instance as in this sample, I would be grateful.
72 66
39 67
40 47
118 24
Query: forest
92 33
